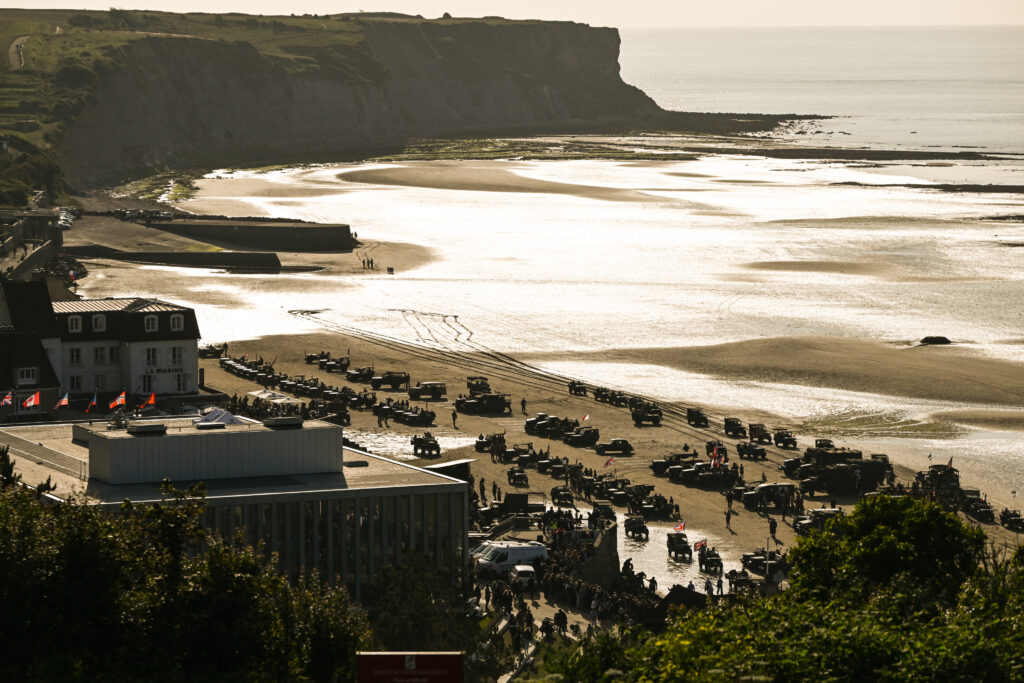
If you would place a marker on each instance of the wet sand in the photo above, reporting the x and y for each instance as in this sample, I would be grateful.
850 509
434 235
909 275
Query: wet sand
838 267
924 372
999 420
485 177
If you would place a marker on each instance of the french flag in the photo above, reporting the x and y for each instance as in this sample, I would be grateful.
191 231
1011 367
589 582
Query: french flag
91 403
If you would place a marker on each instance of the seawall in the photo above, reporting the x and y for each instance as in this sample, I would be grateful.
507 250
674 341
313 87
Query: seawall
247 260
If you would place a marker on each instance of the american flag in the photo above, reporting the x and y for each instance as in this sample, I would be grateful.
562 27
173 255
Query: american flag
63 402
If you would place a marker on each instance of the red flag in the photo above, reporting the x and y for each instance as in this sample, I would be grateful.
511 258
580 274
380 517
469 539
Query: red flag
32 400
585 417
151 401
119 401
609 461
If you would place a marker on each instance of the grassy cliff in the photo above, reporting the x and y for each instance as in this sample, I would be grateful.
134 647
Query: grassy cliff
104 96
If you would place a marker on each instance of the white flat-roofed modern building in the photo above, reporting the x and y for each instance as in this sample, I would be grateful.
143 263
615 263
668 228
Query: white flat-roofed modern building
295 489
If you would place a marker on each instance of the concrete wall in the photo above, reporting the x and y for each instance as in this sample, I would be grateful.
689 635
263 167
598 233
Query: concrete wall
36 259
278 237
192 454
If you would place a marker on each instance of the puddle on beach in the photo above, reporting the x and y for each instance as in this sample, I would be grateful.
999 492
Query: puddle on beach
399 446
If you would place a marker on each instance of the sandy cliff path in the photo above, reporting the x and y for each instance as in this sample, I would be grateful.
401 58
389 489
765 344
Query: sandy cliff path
14 53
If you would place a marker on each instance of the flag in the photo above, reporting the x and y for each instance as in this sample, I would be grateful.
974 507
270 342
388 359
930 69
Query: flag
714 458
32 400
680 526
699 545
91 403
119 401
151 401
585 417
609 461
8 399
64 402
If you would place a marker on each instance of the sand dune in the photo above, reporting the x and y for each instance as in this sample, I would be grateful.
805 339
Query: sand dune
925 372
485 177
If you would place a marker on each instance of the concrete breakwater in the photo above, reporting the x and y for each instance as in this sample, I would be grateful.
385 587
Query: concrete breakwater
264 235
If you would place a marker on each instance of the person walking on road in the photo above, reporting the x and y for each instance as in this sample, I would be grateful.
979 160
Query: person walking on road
773 526
728 519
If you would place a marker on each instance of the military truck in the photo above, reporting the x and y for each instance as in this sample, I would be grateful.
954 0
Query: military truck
759 433
1012 520
661 467
561 497
478 385
696 417
647 412
484 404
735 428
815 519
784 439
582 437
679 546
360 374
776 494
425 390
391 378
636 528
750 451
614 447
577 388
425 445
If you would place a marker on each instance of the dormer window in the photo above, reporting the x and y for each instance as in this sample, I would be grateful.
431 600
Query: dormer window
177 322
99 323
27 376
150 323
74 323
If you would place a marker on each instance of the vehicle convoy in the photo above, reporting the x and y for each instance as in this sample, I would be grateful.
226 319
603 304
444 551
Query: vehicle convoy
696 417
815 519
614 447
478 385
501 556
735 428
425 445
838 470
484 404
759 433
425 390
648 412
360 374
392 378
784 439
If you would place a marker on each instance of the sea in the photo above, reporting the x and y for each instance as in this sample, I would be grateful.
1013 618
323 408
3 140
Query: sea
888 87
680 259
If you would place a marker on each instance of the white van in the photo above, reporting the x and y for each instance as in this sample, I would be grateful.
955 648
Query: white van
523 577
502 556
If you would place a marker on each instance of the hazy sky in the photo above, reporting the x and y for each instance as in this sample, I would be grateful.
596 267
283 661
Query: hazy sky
622 13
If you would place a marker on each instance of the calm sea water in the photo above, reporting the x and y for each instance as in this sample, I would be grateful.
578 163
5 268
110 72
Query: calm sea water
946 87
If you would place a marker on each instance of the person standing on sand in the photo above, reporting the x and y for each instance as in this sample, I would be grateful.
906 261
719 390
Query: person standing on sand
773 526
523 405
455 415
728 518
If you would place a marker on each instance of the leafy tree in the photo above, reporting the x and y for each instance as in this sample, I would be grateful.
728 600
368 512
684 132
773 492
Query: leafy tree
903 546
7 476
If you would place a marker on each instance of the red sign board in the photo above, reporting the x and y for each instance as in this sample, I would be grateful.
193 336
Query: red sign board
410 667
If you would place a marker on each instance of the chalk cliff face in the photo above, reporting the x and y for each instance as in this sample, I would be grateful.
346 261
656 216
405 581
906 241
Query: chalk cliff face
185 102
